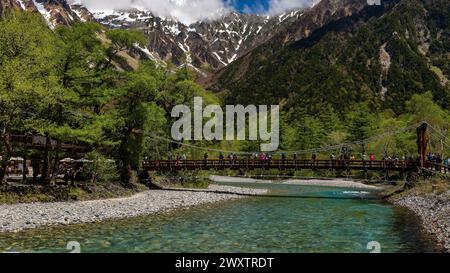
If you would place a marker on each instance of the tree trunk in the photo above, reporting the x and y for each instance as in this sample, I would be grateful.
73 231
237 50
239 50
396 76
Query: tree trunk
24 167
125 164
45 166
7 155
35 164
55 166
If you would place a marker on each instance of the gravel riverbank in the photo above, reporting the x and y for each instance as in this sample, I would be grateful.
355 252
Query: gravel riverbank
434 212
339 183
18 217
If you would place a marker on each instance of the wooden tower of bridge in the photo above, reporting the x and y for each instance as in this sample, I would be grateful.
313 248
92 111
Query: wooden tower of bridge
422 143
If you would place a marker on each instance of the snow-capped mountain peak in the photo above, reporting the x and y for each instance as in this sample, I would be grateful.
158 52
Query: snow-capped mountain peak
204 45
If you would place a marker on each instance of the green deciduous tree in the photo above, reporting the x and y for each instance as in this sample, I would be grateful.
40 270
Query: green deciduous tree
361 123
28 85
133 111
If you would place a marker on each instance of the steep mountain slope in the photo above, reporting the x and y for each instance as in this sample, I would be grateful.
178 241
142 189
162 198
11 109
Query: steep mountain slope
323 13
377 54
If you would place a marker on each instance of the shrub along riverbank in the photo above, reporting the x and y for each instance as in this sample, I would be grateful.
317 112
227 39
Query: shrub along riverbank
11 194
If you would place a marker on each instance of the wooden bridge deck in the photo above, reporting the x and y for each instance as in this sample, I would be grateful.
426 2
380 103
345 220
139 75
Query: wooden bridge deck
215 164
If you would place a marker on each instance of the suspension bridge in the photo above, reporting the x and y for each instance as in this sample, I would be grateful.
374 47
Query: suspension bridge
251 164
425 133
247 162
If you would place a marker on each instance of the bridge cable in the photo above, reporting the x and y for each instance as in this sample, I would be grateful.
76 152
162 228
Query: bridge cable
305 151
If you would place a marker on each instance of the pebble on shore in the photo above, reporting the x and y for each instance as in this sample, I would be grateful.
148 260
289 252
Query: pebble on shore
434 212
17 217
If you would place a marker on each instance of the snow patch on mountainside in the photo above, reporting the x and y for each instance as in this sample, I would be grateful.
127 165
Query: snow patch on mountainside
22 4
47 15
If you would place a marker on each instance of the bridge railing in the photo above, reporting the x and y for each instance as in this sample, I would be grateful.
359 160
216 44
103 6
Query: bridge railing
278 164
440 168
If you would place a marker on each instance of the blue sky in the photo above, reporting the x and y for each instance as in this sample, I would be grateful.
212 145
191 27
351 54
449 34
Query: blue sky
272 7
250 5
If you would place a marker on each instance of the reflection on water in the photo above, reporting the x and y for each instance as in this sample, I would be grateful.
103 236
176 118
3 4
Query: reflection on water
337 220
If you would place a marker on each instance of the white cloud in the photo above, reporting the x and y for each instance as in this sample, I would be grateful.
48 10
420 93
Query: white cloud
190 11
186 11
279 6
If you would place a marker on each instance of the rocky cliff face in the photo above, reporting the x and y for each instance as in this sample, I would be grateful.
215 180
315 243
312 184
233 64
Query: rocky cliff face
7 4
205 45
56 12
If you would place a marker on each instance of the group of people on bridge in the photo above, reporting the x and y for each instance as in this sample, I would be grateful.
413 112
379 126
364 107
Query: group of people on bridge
267 159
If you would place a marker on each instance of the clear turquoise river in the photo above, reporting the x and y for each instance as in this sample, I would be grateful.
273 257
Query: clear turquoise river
291 218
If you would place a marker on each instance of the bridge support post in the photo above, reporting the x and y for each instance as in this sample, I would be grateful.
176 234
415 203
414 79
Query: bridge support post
422 143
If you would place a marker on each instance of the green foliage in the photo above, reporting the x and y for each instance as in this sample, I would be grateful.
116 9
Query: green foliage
64 85
132 114
30 91
125 39
360 122
339 65
304 133
101 169
27 63
195 180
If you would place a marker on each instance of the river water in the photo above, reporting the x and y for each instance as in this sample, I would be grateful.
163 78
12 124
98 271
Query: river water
291 218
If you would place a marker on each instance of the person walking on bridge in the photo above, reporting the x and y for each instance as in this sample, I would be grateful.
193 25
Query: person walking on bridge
313 160
255 158
333 160
419 161
230 159
185 159
205 159
283 159
221 159
371 159
438 163
262 158
178 160
170 159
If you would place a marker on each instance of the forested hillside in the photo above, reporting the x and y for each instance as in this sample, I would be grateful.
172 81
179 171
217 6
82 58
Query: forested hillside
381 55
362 66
